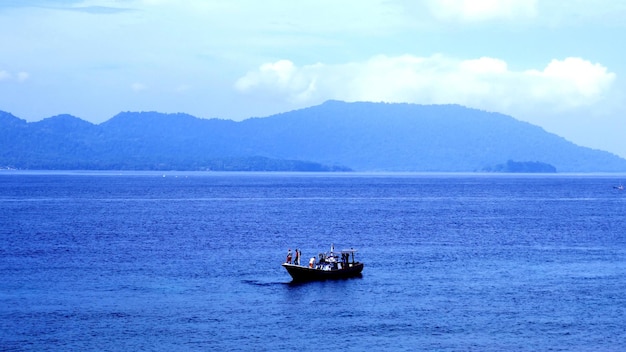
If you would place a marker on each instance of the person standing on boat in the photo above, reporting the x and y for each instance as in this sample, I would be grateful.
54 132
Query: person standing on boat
289 256
297 261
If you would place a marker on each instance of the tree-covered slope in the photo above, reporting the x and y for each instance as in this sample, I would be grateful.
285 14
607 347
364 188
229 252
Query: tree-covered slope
409 137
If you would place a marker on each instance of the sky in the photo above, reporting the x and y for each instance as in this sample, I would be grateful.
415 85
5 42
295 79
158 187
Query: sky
557 64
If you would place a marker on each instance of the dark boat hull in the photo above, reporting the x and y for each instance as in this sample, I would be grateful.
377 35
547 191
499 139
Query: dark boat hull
303 273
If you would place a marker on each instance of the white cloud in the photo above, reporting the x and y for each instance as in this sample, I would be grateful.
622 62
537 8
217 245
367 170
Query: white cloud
298 84
18 77
22 76
576 82
482 10
485 83
182 88
138 87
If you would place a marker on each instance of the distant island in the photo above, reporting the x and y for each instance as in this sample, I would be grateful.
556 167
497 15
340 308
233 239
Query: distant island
256 164
333 136
522 167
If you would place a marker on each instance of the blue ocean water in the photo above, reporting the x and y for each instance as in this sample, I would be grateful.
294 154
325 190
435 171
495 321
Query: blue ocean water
191 261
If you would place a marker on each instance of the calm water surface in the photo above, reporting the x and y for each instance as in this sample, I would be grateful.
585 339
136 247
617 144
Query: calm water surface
127 262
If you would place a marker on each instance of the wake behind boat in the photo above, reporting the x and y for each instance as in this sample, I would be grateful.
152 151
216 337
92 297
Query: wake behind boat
329 266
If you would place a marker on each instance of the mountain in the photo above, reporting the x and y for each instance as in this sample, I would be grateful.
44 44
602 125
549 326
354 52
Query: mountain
331 136
409 137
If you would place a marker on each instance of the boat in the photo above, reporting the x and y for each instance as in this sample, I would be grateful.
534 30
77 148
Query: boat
329 266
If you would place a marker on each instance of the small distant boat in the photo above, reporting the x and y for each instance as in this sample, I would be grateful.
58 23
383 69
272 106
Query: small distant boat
329 266
620 187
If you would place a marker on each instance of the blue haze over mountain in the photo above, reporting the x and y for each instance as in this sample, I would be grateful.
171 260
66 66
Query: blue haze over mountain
334 136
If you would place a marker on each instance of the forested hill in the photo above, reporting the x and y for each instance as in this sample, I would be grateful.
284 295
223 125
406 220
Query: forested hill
331 136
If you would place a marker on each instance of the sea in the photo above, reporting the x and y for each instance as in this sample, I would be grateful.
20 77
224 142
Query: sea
186 261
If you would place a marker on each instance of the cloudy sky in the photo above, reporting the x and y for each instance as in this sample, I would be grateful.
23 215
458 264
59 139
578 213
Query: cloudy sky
557 64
